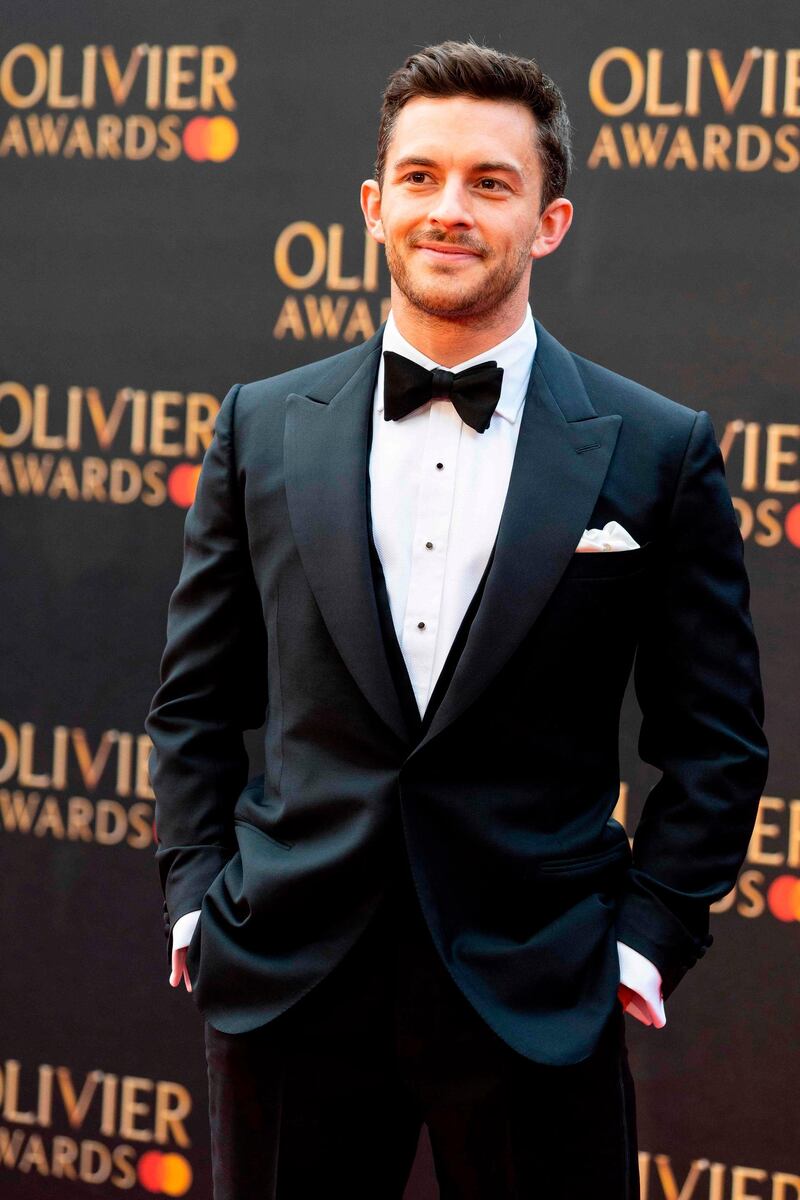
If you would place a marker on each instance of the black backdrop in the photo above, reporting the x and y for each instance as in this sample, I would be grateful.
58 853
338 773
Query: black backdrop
183 217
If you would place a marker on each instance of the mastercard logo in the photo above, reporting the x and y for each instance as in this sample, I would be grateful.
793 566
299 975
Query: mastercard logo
210 139
783 898
169 1174
182 484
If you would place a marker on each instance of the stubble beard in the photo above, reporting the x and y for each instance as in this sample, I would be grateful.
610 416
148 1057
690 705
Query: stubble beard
460 303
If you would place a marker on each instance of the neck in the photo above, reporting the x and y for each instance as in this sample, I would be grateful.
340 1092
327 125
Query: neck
448 341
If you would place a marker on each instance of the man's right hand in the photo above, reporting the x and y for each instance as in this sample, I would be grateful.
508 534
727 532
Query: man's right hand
181 936
179 969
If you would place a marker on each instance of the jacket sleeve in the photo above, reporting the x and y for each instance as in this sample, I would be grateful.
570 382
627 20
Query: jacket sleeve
212 684
698 685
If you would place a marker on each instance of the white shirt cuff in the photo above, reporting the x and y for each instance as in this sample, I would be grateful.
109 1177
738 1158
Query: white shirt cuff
184 928
644 978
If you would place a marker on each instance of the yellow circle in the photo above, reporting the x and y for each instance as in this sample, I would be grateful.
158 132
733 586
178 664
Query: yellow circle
176 1175
222 138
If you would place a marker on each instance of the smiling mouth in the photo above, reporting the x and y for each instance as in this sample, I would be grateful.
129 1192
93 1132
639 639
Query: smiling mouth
449 252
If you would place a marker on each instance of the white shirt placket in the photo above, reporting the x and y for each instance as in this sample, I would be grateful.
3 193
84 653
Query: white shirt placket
429 544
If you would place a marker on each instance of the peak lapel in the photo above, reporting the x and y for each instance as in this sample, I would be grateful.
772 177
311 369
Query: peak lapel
326 462
562 456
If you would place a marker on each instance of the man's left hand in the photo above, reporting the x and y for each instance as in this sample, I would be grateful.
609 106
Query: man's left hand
644 1001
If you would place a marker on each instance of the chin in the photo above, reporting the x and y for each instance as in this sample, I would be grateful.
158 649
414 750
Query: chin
452 307
443 300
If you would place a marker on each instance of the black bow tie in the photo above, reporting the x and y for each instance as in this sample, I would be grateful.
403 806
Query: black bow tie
407 385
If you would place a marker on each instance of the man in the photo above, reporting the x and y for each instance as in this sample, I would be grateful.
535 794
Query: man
431 561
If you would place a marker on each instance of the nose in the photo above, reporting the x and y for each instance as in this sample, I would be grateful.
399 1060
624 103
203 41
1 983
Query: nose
451 206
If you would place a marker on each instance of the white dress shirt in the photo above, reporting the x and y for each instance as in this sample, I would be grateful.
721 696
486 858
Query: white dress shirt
438 489
437 492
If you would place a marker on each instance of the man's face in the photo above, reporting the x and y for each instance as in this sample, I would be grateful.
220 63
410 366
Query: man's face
459 206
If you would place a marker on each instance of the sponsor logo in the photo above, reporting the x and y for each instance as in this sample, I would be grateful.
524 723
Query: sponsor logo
103 103
137 447
94 1128
330 297
769 882
705 110
761 464
59 783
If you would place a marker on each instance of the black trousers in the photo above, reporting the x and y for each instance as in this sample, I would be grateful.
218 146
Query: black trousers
329 1098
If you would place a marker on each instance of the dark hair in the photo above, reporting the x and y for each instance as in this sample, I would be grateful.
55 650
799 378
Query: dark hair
467 69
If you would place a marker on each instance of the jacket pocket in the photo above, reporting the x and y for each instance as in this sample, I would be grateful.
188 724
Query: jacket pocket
581 864
609 564
263 833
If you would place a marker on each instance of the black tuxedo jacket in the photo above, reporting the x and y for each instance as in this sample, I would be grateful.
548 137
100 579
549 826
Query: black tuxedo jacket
504 793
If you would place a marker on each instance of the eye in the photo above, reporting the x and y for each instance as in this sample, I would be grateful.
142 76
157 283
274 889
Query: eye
495 185
417 176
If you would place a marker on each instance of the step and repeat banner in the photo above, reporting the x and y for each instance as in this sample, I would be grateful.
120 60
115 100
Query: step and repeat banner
180 213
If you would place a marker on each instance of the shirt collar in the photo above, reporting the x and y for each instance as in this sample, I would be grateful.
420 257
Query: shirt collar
515 355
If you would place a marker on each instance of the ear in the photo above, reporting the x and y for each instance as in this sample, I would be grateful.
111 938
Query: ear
371 208
552 227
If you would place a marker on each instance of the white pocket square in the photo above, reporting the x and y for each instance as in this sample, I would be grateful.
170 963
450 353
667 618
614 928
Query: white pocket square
612 536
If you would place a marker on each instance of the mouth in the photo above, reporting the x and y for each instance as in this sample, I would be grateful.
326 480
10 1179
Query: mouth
445 253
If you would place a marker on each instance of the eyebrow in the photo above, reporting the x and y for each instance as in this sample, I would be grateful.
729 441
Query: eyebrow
414 160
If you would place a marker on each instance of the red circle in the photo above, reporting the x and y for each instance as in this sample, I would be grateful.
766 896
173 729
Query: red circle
150 1170
783 898
792 525
195 138
182 483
